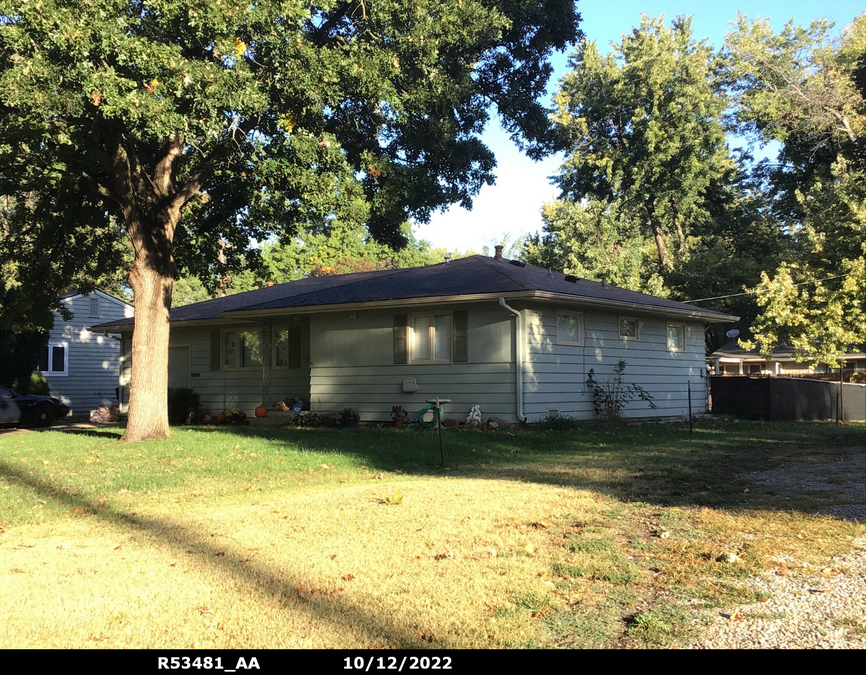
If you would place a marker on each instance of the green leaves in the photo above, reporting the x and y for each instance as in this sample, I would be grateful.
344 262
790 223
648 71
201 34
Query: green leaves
643 126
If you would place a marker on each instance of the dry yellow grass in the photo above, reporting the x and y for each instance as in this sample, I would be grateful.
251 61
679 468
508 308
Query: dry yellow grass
334 569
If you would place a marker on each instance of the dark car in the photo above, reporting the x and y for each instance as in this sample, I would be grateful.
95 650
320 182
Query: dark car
40 411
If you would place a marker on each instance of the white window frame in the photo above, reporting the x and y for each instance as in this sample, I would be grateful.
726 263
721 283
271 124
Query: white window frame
682 327
432 337
57 373
580 333
240 332
636 335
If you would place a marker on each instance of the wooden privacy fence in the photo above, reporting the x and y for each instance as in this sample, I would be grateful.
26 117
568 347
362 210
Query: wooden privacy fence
786 398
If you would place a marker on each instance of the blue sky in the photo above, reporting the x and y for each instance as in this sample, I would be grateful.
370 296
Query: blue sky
512 206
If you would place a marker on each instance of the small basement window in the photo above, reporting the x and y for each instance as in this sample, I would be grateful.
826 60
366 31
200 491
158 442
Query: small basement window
628 329
676 337
569 328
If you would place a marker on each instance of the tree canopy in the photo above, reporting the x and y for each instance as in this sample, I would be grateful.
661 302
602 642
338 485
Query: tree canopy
806 89
653 200
644 132
191 127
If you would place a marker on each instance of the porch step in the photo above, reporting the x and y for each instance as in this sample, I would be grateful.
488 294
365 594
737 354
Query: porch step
274 418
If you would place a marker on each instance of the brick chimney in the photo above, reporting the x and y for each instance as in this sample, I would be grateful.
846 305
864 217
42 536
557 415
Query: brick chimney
498 254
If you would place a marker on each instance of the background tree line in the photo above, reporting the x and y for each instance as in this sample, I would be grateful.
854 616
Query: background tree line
655 199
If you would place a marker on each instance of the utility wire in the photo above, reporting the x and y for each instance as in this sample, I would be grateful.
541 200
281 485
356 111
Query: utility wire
736 295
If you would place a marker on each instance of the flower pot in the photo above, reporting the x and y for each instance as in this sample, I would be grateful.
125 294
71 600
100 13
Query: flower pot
399 421
350 421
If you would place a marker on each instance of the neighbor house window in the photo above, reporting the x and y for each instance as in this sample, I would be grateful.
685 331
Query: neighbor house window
569 328
676 337
54 359
243 349
628 329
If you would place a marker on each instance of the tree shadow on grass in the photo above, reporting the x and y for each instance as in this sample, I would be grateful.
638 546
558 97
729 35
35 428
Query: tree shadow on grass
96 433
660 464
258 579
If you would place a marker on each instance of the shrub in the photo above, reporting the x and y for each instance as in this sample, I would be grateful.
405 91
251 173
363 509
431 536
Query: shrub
311 420
236 416
610 398
557 422
183 404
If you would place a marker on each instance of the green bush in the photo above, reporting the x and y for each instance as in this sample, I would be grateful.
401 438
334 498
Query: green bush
558 422
35 384
182 402
611 398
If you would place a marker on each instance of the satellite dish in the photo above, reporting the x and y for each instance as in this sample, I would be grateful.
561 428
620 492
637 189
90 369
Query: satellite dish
731 334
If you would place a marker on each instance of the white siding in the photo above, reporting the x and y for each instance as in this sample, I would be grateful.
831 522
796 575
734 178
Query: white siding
555 375
347 360
352 365
93 358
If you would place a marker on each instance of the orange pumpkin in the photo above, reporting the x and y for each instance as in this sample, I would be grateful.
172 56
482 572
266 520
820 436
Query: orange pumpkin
222 418
261 411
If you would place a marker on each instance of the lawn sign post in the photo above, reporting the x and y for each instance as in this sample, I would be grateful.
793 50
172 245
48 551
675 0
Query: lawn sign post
690 408
437 402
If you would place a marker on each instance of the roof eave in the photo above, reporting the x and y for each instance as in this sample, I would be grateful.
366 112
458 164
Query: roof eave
619 305
377 304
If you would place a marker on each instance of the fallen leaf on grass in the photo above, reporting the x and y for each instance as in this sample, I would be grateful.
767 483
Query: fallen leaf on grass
443 556
348 577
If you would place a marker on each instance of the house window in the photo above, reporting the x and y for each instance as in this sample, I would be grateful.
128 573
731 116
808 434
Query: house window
54 359
569 328
676 337
431 338
628 329
94 307
287 347
242 349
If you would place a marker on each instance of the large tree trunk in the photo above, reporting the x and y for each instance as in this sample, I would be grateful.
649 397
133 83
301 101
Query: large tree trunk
151 209
148 388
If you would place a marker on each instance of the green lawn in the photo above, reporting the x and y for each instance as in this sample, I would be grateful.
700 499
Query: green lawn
239 536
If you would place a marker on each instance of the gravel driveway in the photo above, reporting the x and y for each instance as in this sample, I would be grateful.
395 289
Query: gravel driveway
804 610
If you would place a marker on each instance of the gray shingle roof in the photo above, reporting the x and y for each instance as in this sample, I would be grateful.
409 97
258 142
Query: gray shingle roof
460 279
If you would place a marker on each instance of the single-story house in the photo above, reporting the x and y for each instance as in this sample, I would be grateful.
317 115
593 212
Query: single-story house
83 366
516 340
731 359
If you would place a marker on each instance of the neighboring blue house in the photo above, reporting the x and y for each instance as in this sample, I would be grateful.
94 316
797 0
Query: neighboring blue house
82 367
